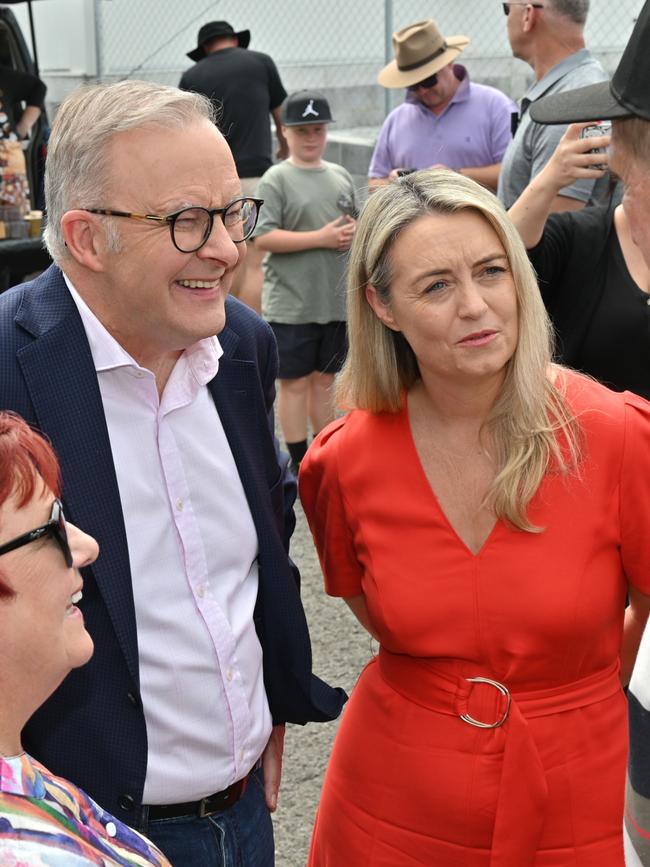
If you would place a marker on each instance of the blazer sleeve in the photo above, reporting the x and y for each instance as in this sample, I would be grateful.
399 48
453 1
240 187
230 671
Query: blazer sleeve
323 500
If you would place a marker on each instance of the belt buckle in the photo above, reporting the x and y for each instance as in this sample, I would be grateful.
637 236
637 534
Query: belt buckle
208 807
203 812
504 692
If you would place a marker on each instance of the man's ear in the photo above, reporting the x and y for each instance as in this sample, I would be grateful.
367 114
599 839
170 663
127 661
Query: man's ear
530 18
382 311
85 239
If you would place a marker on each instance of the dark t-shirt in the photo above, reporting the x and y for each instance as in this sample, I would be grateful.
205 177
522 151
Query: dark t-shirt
616 349
245 86
17 87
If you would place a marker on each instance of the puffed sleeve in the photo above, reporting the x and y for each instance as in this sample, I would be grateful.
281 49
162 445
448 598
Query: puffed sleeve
324 503
635 493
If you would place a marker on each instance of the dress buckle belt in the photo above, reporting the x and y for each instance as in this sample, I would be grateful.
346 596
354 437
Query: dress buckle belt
522 798
504 692
216 803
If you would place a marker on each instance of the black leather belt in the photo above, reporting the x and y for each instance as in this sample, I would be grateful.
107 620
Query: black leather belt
216 803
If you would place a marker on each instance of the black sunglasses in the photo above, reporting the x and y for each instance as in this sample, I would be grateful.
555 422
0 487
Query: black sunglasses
55 527
506 6
431 81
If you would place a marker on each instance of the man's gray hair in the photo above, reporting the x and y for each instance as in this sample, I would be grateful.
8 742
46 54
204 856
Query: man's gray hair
77 173
574 10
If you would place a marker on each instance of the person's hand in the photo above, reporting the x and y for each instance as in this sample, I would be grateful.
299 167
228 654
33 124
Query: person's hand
272 767
338 234
22 130
572 160
282 152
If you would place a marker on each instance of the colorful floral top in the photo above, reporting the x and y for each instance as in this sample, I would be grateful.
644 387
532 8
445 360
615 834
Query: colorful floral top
45 821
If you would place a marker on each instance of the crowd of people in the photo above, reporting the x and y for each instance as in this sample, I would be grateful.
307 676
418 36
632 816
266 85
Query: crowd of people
469 350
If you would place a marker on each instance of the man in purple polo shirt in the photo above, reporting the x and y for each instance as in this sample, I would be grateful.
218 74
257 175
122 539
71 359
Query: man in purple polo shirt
446 120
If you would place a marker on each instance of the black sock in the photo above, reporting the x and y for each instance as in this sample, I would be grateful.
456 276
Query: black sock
297 452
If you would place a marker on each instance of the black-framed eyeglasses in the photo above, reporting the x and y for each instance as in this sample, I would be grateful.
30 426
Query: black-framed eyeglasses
506 6
191 227
431 81
55 527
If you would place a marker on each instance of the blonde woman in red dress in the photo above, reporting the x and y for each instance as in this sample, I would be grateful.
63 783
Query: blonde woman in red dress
484 513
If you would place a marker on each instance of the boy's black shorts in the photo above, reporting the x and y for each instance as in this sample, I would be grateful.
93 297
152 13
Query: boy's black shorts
308 347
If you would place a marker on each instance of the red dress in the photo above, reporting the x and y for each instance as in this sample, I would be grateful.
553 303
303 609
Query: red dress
409 781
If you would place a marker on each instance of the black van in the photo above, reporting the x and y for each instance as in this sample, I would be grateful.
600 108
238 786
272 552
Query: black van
19 258
15 54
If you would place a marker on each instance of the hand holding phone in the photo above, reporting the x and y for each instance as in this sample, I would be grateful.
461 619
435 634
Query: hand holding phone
595 130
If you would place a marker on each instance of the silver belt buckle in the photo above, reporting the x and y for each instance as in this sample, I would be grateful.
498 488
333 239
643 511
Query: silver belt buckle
504 692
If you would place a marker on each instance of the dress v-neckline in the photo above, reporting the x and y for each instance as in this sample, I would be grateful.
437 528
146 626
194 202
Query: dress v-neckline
433 496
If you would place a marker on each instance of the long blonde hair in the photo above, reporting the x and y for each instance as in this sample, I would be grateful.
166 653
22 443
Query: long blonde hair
531 427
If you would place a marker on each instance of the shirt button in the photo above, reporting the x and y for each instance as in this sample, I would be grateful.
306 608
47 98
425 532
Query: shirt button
242 753
111 830
647 301
179 504
133 698
229 674
200 591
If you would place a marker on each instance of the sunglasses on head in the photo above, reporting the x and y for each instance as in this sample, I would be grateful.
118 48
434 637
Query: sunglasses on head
431 81
55 527
506 6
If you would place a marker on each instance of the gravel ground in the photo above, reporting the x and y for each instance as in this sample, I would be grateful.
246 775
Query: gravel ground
340 648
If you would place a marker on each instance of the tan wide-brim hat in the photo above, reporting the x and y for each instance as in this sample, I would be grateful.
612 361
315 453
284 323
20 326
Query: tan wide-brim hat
420 51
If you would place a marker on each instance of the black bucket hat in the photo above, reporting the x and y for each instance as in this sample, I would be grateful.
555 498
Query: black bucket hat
305 107
626 95
212 30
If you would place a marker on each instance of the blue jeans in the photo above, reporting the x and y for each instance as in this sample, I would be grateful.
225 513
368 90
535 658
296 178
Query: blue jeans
241 836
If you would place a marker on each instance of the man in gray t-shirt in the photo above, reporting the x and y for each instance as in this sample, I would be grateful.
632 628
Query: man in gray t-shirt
549 38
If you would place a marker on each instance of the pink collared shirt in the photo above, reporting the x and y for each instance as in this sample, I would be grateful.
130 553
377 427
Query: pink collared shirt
193 555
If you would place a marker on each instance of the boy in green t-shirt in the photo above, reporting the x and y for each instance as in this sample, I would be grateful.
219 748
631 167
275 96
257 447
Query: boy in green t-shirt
306 226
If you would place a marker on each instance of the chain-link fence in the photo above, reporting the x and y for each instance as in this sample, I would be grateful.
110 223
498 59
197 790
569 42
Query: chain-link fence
338 46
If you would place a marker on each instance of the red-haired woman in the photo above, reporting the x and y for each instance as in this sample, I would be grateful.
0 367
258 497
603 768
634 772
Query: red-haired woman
44 819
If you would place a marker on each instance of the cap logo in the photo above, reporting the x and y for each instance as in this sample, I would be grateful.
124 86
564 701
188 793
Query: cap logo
310 110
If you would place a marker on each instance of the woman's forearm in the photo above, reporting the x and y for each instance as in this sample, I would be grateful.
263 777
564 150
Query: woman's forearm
531 210
636 616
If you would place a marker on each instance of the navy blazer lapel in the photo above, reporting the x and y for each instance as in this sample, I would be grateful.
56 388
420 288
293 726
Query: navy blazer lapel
62 383
236 393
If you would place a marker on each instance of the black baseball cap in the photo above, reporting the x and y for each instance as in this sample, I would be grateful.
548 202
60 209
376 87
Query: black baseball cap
305 107
626 95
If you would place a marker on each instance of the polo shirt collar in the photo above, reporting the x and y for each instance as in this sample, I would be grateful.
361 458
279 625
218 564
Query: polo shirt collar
573 61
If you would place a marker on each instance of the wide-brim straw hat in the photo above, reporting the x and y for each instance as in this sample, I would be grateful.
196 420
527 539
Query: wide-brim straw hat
420 51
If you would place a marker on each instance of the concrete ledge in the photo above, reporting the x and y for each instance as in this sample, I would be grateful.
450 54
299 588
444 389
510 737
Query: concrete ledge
353 149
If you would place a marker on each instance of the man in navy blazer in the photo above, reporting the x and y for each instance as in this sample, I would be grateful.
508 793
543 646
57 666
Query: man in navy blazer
166 440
